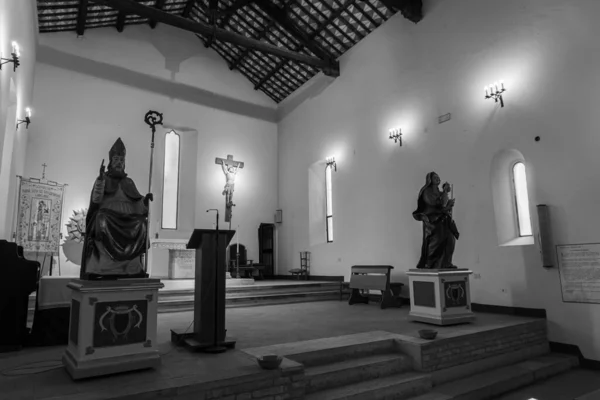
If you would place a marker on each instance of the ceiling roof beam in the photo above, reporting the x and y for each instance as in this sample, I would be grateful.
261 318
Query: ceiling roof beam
280 16
81 17
132 7
412 10
325 28
213 8
330 19
228 12
188 8
121 20
159 6
260 35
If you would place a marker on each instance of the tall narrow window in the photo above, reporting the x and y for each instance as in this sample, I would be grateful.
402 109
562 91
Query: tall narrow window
170 193
329 204
521 199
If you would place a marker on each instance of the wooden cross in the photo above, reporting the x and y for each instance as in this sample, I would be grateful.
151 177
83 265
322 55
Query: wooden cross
44 170
229 161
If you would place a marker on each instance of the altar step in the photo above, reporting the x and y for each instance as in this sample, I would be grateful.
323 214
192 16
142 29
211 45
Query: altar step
254 295
419 385
261 293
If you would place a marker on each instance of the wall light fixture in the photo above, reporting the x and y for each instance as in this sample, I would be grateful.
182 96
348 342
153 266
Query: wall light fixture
495 92
27 119
14 57
396 134
330 161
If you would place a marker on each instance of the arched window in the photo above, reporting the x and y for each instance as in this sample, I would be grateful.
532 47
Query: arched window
511 198
328 204
521 199
170 195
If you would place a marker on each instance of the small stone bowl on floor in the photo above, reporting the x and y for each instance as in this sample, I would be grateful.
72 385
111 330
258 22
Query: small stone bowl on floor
428 334
269 361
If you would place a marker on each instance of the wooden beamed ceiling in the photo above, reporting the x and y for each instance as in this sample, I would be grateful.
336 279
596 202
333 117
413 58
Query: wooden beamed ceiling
277 44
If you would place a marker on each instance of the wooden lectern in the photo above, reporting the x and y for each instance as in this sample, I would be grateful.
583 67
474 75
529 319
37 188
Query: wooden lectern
209 295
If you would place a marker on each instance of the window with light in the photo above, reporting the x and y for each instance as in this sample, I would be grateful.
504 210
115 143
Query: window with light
329 204
170 195
521 199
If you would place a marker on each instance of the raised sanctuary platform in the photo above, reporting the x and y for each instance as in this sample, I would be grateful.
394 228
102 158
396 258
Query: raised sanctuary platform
330 352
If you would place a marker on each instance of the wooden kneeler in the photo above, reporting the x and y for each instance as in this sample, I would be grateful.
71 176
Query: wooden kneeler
371 277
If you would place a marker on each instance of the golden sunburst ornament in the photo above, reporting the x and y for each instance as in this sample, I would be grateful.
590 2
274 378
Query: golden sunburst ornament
76 226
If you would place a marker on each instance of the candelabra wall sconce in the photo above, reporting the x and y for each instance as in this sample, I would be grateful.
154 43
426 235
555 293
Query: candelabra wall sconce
495 92
27 119
14 57
396 134
330 161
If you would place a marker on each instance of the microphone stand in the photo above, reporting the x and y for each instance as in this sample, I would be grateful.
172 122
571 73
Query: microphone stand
216 348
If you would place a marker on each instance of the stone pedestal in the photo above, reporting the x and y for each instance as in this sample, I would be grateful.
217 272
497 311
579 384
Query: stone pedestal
112 327
440 296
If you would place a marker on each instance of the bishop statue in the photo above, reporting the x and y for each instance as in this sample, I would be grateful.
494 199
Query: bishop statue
116 237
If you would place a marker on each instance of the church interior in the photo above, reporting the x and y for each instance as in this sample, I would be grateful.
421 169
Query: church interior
189 209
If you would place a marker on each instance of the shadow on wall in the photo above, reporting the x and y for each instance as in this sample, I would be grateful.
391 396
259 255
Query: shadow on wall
313 89
56 58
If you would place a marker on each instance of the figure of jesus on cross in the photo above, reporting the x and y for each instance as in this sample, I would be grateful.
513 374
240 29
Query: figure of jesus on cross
230 169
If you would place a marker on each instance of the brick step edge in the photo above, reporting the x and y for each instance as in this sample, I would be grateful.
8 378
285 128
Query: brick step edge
493 383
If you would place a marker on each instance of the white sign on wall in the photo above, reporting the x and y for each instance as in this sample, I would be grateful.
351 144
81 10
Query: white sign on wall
579 268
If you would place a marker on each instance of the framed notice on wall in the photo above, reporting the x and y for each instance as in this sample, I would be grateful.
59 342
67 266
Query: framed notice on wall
579 269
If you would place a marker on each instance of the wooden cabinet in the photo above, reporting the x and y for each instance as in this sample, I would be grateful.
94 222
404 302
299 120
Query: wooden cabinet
266 248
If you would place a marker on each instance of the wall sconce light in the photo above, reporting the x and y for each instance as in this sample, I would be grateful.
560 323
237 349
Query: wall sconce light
27 119
14 57
330 161
495 92
396 134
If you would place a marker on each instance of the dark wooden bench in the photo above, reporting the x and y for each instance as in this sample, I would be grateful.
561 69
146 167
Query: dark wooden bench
373 277
247 271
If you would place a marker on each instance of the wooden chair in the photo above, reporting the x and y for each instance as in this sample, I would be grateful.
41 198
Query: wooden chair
304 266
246 267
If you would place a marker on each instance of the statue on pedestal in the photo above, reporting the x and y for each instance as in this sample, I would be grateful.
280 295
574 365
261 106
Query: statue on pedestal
434 210
116 224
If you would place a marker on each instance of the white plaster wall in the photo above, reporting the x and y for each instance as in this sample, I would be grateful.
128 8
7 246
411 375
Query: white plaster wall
79 115
17 23
165 52
406 75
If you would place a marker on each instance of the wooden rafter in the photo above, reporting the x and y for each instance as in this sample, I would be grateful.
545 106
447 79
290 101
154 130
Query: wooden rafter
81 17
260 35
410 9
121 20
188 8
330 19
132 7
228 12
159 6
280 16
213 8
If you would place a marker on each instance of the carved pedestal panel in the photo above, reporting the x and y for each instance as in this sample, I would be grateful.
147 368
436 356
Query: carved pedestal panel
440 296
112 327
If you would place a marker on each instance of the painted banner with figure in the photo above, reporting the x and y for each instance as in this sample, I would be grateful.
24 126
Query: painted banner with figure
39 215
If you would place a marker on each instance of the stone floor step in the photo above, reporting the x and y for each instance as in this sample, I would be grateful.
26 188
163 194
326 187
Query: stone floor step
315 352
490 384
187 303
355 370
396 387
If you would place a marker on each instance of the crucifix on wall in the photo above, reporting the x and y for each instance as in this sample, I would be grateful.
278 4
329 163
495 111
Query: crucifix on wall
230 169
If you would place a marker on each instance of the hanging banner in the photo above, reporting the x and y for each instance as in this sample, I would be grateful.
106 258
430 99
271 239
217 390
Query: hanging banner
39 216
